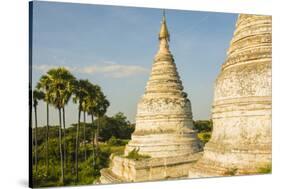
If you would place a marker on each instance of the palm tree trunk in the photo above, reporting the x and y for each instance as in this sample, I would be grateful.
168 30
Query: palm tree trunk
84 133
77 144
47 141
35 138
33 145
64 143
93 140
61 153
97 137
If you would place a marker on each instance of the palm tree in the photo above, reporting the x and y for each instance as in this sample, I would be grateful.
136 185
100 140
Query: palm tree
61 86
94 92
69 83
84 106
102 105
37 95
91 92
80 93
44 85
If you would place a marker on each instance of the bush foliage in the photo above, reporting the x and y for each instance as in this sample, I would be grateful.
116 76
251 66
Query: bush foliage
134 154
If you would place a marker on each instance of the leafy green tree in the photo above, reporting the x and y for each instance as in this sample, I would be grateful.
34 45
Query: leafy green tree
117 126
37 95
125 128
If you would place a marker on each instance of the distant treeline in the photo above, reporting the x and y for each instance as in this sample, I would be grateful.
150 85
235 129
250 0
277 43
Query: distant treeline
203 125
116 126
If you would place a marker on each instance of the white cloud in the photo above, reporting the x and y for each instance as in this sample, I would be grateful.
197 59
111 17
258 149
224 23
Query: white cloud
107 69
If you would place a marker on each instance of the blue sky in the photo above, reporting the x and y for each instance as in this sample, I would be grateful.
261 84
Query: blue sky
114 48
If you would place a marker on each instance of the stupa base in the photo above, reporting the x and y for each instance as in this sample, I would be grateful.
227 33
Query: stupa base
216 162
211 169
123 169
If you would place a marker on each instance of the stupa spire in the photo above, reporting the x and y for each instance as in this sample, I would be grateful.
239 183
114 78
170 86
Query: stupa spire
164 38
164 33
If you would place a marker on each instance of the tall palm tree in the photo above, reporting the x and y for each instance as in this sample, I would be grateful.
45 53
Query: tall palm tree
61 86
37 95
84 106
44 85
91 92
69 83
102 105
94 92
80 93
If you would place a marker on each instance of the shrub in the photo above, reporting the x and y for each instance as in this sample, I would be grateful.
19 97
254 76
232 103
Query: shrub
204 137
134 154
113 141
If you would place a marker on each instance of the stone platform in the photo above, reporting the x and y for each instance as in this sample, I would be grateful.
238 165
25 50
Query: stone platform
123 169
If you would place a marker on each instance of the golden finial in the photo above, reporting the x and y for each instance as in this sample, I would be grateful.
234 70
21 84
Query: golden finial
164 33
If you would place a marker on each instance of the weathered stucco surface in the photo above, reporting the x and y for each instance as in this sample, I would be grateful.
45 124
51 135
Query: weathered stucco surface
241 113
164 127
